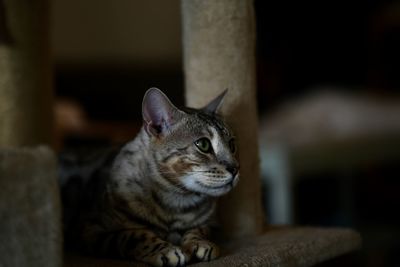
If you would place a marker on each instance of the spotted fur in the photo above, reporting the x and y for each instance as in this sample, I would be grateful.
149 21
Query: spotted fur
153 200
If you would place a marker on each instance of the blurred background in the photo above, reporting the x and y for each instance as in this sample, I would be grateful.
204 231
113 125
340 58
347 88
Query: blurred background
329 106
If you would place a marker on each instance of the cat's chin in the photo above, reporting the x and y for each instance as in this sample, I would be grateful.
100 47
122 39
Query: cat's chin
211 193
216 191
219 192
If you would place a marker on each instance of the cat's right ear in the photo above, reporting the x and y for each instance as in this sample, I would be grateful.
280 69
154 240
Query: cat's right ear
159 114
215 104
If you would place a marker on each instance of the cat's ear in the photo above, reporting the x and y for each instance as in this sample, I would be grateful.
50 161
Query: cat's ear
215 104
158 112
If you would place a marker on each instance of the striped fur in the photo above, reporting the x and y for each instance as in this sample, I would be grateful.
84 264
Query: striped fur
155 199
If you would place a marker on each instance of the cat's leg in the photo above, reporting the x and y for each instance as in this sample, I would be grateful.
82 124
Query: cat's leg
195 244
142 245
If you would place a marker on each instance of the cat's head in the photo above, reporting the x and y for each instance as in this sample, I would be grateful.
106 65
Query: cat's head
193 149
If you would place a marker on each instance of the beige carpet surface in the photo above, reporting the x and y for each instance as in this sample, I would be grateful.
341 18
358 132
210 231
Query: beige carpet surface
30 208
280 246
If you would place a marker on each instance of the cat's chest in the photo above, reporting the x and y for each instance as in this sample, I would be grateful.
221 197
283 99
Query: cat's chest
181 221
189 217
177 213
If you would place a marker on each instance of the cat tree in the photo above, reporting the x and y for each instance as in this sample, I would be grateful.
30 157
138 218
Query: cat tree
219 52
219 40
219 43
30 225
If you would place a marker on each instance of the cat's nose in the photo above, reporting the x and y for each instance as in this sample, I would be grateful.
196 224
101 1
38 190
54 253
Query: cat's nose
233 170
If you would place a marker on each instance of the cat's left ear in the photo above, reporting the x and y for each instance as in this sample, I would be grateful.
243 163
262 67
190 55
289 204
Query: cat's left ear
215 104
159 114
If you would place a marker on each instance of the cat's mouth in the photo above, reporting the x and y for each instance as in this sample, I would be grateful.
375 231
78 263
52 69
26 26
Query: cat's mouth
213 187
217 190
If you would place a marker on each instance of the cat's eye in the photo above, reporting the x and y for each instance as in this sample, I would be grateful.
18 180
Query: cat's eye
232 145
204 145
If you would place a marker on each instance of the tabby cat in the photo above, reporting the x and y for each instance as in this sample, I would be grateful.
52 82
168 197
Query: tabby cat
153 199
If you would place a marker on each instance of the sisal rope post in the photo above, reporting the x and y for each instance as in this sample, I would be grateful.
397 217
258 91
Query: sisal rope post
219 53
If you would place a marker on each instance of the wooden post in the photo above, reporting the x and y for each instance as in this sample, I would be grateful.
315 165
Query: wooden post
219 53
25 73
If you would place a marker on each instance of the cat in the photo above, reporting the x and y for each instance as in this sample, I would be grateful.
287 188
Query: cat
153 199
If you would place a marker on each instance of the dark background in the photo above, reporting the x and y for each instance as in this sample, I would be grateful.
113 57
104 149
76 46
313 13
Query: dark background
108 53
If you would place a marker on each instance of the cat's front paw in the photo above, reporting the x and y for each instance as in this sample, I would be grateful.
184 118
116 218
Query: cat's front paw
169 256
201 250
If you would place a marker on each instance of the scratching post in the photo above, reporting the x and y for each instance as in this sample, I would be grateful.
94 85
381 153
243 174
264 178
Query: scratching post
219 53
30 212
25 73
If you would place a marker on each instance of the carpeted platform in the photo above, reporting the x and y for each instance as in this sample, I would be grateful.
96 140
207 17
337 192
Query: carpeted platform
30 227
30 208
279 246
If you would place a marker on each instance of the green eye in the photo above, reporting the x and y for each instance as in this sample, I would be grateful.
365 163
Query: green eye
204 145
232 145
